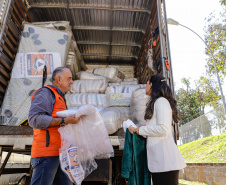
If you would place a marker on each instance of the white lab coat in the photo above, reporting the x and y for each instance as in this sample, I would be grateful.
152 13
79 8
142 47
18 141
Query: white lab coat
162 152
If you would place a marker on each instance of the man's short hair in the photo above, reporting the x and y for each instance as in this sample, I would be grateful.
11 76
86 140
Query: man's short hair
56 72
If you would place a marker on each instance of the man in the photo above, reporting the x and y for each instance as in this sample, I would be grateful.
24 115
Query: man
45 102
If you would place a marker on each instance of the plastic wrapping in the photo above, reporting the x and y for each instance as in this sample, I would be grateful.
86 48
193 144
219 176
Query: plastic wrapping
82 143
123 83
124 112
83 75
38 46
138 106
79 56
89 86
111 73
123 88
127 70
112 119
130 79
78 100
120 99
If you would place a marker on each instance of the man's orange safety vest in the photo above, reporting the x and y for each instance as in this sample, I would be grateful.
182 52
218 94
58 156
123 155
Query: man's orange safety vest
40 148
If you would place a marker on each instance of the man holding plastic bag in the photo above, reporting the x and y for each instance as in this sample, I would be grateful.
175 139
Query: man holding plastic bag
45 103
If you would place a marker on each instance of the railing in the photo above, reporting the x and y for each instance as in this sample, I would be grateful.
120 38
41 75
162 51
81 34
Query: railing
211 123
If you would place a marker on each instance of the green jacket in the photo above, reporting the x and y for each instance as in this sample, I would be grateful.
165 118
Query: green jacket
134 162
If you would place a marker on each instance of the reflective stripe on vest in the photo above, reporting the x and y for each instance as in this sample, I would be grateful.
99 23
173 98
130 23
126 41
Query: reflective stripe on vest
39 148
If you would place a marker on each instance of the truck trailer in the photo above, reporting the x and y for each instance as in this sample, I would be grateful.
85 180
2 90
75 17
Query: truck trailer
108 33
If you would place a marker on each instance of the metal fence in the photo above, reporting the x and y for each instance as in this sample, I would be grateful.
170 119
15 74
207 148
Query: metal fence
211 123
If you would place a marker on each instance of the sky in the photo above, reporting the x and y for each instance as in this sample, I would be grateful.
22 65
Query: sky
187 49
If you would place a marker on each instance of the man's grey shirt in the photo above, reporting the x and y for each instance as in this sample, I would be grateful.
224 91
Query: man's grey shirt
41 108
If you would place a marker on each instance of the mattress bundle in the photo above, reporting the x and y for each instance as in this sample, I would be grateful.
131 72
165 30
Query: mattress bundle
39 46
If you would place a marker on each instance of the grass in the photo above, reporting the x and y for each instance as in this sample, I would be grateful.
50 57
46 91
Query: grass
210 149
185 182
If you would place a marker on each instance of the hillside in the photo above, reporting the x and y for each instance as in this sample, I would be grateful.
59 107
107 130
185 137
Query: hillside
211 149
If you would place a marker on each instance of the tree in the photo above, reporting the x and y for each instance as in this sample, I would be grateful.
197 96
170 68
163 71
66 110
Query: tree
187 102
215 37
192 101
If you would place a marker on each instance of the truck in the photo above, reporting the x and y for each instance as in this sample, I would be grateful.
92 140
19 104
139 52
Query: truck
109 32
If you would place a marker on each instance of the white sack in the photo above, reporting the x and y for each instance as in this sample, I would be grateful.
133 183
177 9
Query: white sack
89 86
120 99
124 88
124 83
78 100
83 75
112 119
81 143
124 112
138 106
111 73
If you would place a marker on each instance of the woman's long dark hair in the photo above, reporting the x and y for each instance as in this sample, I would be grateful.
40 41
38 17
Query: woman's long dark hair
160 88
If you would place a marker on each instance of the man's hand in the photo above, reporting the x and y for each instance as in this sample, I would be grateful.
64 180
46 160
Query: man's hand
72 119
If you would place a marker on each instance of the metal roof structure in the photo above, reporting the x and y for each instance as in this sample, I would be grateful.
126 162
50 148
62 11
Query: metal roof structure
106 31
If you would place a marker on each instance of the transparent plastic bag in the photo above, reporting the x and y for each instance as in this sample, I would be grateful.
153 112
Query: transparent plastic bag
82 143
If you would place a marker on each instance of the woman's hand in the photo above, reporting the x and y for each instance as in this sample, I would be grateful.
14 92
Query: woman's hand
131 129
137 130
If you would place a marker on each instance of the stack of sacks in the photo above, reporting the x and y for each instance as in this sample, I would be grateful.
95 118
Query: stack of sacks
38 46
112 119
89 86
85 92
120 94
139 101
109 72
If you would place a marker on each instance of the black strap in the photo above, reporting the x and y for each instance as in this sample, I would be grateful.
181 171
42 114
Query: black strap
47 138
44 77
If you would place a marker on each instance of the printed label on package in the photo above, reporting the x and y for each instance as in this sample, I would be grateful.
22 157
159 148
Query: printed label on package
32 64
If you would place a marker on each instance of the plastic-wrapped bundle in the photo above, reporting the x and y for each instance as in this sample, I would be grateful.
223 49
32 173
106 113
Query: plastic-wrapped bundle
111 73
83 75
78 100
56 25
112 119
38 46
138 106
72 111
79 57
82 143
120 99
130 79
124 83
124 88
89 86
124 112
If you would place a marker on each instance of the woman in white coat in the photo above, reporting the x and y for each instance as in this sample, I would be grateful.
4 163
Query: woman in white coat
164 158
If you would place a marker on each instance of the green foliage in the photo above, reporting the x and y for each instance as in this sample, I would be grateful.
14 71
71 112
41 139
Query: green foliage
215 37
192 101
211 149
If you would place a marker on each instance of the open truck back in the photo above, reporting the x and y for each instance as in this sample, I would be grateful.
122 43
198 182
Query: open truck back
109 32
